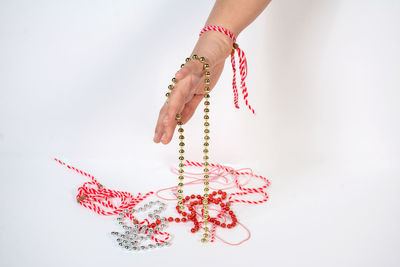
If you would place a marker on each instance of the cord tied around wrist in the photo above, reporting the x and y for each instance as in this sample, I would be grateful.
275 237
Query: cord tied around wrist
242 65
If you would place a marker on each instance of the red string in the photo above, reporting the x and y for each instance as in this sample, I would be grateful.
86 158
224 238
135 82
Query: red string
217 173
242 65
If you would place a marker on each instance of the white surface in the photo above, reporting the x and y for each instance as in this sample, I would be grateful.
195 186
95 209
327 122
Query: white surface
84 80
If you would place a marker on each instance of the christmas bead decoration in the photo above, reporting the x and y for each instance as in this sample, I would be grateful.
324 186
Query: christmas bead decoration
206 117
141 236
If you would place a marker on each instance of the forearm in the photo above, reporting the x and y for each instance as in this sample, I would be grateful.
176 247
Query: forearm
236 15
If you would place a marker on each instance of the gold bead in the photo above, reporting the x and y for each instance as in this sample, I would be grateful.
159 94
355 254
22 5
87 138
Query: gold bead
181 151
205 202
207 81
195 56
203 240
205 217
207 96
174 80
207 89
205 150
206 183
205 235
206 189
206 117
206 195
181 165
178 116
207 131
182 65
180 177
206 229
206 66
206 144
181 170
202 59
171 86
180 202
206 176
181 158
180 130
180 123
206 110
181 137
206 163
181 144
206 137
167 94
207 103
180 184
180 197
206 124
206 170
208 73
187 59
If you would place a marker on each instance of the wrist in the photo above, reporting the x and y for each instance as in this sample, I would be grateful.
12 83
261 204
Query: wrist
215 45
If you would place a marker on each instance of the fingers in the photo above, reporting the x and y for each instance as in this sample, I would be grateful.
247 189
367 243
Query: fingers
175 105
191 107
159 126
182 94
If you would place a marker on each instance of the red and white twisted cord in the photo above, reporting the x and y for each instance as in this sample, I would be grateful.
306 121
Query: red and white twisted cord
94 196
242 65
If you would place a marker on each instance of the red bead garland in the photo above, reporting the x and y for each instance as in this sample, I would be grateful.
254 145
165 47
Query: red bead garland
194 202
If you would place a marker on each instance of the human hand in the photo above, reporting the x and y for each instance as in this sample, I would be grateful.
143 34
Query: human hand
189 88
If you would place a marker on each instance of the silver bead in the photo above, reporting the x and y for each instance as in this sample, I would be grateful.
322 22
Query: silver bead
151 246
143 248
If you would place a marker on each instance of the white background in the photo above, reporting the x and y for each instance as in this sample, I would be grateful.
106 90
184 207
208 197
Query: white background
84 81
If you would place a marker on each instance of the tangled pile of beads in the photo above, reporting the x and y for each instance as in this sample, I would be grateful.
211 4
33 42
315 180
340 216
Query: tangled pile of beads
140 236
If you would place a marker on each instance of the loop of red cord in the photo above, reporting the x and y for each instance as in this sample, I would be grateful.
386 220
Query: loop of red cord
217 173
242 65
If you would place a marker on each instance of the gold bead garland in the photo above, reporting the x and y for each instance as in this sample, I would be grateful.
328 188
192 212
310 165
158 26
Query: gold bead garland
206 117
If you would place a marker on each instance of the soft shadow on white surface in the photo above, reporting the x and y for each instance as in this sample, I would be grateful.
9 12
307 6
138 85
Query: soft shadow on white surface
84 82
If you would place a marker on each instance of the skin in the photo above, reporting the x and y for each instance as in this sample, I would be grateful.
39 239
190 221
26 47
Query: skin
188 92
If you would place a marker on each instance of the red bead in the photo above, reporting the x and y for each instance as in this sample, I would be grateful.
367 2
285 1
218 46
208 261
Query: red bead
214 193
198 196
187 197
192 196
229 226
223 225
184 213
184 220
177 219
233 224
158 222
220 192
170 219
193 230
217 223
153 225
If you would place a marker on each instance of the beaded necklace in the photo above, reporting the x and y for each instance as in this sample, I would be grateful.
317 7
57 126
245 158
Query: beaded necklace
206 117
